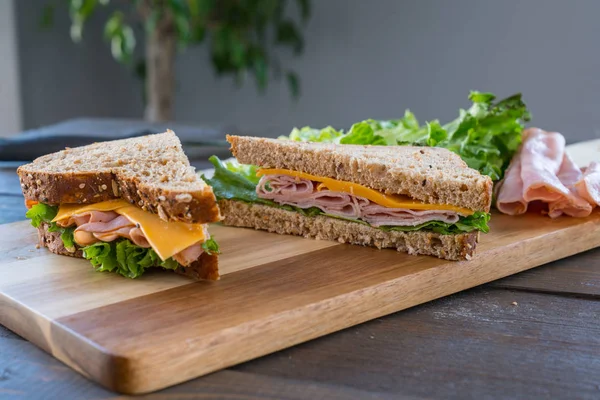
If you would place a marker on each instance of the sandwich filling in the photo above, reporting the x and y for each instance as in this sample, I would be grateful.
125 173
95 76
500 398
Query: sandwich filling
115 235
350 200
313 195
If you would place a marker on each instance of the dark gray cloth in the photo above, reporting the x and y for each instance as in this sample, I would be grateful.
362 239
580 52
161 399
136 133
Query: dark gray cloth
199 142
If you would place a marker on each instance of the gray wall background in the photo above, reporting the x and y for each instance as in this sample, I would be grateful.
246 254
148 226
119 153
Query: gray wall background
363 59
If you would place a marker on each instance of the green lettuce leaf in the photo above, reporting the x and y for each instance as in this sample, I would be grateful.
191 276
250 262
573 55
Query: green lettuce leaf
226 178
486 136
41 213
45 213
101 255
211 247
364 132
308 134
67 238
231 182
246 170
125 258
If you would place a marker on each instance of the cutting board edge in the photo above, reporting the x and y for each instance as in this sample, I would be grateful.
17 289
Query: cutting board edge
44 333
138 371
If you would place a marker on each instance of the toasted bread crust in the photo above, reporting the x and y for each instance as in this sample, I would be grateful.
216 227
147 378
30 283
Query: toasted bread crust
429 174
60 188
39 183
205 268
258 216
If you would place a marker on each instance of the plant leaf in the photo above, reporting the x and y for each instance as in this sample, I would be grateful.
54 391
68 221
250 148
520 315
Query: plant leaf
260 71
288 34
152 20
304 6
47 17
293 83
184 32
114 25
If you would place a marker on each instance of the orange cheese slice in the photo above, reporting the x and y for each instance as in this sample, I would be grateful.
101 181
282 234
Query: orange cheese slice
386 200
166 238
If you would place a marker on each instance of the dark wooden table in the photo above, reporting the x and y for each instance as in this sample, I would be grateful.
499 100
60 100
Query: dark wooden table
533 335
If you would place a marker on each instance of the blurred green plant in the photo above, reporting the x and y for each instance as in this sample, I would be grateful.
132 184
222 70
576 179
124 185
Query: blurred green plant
243 35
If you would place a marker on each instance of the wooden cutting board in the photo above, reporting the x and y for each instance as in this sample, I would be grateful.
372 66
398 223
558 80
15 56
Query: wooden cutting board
136 336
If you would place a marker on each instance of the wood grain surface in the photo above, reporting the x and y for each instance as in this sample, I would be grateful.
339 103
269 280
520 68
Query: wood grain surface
277 291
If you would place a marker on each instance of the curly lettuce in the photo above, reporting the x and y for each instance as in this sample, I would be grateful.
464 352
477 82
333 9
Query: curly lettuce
230 182
211 247
131 261
125 258
41 213
308 134
486 136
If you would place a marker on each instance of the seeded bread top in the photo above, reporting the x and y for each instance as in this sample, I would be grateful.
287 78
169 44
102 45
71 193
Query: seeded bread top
150 171
429 174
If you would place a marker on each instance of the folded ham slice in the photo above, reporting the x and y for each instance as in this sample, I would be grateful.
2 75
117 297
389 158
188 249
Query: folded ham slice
106 226
377 215
298 192
541 158
588 186
542 171
189 254
570 204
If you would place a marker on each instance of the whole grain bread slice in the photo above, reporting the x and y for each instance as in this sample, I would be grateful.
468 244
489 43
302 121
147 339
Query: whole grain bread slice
258 216
150 171
429 174
205 268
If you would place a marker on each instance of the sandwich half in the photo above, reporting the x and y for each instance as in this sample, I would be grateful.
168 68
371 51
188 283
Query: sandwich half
420 200
125 205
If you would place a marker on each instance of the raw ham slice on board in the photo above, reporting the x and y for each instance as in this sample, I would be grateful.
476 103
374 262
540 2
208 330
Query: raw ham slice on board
589 186
542 171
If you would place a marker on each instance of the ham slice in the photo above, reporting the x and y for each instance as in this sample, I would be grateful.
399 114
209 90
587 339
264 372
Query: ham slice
541 158
137 236
298 192
542 171
106 226
570 204
588 187
377 215
189 255
510 197
288 190
115 224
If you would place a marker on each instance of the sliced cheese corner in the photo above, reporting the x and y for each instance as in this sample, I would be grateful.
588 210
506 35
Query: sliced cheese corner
386 200
67 210
166 238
